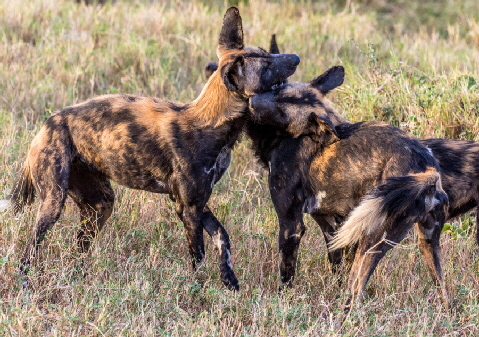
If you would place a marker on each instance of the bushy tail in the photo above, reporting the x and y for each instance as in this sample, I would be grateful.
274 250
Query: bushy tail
399 197
23 192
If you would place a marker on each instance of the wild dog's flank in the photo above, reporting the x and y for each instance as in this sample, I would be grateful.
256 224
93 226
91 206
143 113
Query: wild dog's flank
149 144
380 177
459 167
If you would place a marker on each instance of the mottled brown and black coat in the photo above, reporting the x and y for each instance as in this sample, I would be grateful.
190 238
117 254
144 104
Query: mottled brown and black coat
149 144
376 177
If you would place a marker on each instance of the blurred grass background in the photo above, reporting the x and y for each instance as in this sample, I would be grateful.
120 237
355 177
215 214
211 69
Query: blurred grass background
411 63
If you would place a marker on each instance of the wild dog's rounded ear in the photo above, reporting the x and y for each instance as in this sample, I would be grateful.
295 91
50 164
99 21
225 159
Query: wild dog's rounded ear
232 72
231 36
332 78
273 46
210 68
324 131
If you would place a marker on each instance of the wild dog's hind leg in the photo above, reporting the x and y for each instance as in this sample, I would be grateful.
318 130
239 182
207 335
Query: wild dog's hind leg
51 205
429 233
93 194
371 249
222 242
49 161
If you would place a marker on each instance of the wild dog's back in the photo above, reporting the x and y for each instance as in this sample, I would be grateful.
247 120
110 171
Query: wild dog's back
366 155
123 137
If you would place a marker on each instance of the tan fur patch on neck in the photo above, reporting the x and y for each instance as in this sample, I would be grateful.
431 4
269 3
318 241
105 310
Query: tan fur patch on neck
216 104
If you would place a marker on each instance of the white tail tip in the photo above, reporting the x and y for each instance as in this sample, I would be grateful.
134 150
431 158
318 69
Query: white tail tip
4 204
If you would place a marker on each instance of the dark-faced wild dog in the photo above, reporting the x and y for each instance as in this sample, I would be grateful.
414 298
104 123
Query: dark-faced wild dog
456 158
149 144
459 167
459 164
377 177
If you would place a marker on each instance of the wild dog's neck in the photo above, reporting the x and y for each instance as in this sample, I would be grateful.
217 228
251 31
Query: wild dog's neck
216 104
263 140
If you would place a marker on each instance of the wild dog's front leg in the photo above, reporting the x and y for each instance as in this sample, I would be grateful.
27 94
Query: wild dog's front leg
289 239
191 198
291 230
290 234
222 243
288 200
191 218
428 241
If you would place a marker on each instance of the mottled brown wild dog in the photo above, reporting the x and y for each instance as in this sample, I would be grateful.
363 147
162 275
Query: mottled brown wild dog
457 159
459 167
149 144
377 177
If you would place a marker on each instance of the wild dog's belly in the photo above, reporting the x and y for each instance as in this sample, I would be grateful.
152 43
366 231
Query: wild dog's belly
329 202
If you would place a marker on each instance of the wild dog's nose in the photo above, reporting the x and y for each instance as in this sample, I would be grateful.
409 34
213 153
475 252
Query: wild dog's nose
291 60
295 59
262 103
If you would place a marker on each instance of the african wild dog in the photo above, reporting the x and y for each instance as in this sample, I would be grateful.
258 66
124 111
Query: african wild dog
459 167
376 176
459 164
457 172
149 144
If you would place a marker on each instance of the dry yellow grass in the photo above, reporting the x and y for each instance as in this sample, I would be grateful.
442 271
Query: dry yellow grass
415 65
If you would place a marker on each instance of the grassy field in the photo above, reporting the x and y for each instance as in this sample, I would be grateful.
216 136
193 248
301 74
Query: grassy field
414 64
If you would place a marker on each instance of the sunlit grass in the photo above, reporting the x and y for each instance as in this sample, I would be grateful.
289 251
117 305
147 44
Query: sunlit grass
414 64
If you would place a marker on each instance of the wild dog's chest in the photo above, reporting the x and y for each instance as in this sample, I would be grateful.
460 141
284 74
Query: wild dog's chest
312 204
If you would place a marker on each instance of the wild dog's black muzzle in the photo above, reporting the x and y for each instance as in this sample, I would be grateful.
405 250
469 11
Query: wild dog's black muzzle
285 65
262 102
291 58
264 110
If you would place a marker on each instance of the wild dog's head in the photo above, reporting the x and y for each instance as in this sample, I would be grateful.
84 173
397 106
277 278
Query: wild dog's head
211 67
249 70
300 108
